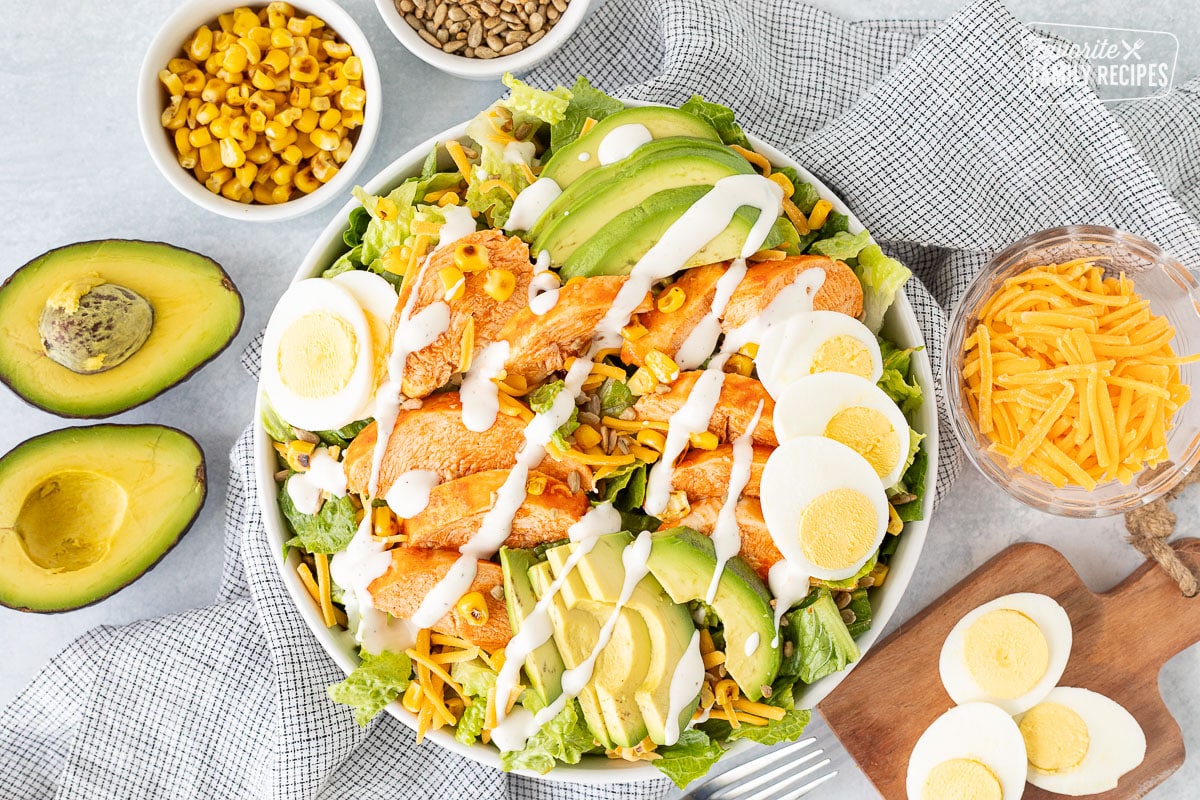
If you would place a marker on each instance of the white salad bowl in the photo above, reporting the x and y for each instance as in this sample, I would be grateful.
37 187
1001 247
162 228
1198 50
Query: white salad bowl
900 326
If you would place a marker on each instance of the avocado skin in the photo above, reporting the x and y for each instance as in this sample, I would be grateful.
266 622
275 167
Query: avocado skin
564 166
683 561
609 191
63 404
200 477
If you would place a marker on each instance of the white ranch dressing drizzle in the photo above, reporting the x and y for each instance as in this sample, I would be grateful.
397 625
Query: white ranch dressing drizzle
531 203
790 586
752 642
726 536
324 475
585 156
409 494
458 224
537 629
685 685
353 569
543 292
517 152
479 393
520 723
702 340
621 141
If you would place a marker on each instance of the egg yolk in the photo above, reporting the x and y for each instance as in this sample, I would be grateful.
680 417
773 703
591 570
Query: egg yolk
868 433
1006 653
837 529
1056 738
961 779
317 355
842 353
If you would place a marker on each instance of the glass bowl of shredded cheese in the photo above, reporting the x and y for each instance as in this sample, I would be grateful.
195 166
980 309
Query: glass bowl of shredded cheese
1070 363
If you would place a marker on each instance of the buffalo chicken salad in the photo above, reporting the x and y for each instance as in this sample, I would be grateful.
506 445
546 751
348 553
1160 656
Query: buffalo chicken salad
590 439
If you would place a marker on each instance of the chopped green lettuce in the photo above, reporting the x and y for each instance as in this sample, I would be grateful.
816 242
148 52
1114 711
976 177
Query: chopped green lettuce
470 723
476 678
374 683
689 758
328 531
913 483
343 436
860 604
821 644
720 117
384 230
565 738
351 259
881 278
788 729
541 400
549 107
842 245
275 426
805 195
615 397
904 394
356 226
586 101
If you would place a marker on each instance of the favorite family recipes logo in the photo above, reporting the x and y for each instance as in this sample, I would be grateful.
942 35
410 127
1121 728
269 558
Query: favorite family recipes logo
1117 63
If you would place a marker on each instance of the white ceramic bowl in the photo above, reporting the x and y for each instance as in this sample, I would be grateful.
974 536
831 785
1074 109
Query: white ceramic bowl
900 325
152 98
479 69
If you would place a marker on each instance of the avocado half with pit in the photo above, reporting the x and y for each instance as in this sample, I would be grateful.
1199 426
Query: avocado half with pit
84 512
95 328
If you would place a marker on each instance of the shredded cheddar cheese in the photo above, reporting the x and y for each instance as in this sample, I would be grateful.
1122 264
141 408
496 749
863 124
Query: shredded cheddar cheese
1072 377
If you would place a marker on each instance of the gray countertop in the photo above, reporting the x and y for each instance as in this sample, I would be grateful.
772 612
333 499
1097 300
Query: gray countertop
72 168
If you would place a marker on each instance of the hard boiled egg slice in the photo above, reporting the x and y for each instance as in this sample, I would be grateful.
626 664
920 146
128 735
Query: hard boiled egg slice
1080 742
850 410
1010 652
378 299
824 506
811 342
318 356
974 751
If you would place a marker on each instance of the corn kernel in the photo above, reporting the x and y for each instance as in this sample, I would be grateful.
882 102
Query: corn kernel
233 190
342 154
652 439
192 106
300 97
499 284
337 50
386 209
246 174
221 128
277 61
395 260
740 364
319 103
175 114
587 437
236 58
189 159
307 123
413 698
262 80
726 691
217 179
353 119
193 81
243 20
305 181
352 98
252 49
280 38
671 300
453 282
662 366
181 66
275 129
281 194
214 90
749 349
210 155
284 174
237 95
182 144
290 155
200 137
307 148
259 153
535 485
172 81
288 116
304 69
383 522
239 128
642 382
634 331
325 140
705 440
470 258
232 155
324 167
352 69
472 609
299 27
330 119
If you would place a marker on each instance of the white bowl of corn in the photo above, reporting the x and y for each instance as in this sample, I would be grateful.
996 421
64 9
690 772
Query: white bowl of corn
262 112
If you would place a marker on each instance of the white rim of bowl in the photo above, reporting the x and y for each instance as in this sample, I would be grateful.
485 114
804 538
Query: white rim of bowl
479 68
340 645
158 142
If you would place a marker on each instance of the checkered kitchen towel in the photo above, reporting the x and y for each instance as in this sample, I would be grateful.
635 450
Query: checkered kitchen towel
933 137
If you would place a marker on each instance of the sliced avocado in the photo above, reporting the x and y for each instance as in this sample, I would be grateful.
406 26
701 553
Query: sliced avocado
585 627
668 625
593 200
544 666
579 157
84 512
618 246
96 328
683 561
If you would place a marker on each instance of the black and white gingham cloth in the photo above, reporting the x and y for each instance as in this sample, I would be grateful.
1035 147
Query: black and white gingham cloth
928 132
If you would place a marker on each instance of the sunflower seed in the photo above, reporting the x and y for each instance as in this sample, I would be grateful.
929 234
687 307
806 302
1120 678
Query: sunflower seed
488 8
573 482
475 34
534 38
842 599
453 47
848 616
497 44
306 436
560 5
866 581
623 445
485 52
405 6
515 47
281 476
412 20
588 418
456 14
497 593
628 415
512 37
443 35
412 404
536 21
439 14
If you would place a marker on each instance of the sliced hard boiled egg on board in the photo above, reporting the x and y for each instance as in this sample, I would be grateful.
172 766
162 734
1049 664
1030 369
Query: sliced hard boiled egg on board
1010 652
973 750
812 342
850 410
1080 742
824 506
318 356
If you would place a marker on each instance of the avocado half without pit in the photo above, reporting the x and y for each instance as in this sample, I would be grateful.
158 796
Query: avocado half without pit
86 511
95 328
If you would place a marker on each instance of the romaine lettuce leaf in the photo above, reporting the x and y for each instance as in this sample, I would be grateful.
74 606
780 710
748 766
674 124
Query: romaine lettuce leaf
913 483
689 758
275 426
474 676
720 117
541 400
328 531
881 278
860 604
615 397
821 644
565 738
374 683
470 722
788 729
842 245
343 436
549 107
586 101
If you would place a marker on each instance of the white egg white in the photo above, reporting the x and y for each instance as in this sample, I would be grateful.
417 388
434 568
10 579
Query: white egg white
378 299
1116 745
807 405
787 351
977 731
1055 625
319 295
796 473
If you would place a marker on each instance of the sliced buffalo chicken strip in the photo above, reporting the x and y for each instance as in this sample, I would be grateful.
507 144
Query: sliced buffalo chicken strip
761 284
456 510
757 549
431 367
735 407
705 473
542 344
414 572
433 437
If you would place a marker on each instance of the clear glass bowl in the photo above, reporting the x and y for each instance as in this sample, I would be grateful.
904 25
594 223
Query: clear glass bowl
1172 291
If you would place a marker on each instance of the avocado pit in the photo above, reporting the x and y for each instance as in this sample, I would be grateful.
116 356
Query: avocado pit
67 521
90 325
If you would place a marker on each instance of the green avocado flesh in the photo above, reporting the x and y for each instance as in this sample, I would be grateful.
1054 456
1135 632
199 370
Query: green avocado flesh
620 244
85 512
593 201
96 328
544 666
580 157
683 561
628 697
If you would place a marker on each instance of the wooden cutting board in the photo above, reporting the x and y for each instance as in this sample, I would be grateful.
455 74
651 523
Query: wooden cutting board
1121 640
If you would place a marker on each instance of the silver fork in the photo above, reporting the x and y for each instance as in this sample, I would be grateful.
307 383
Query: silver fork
772 776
